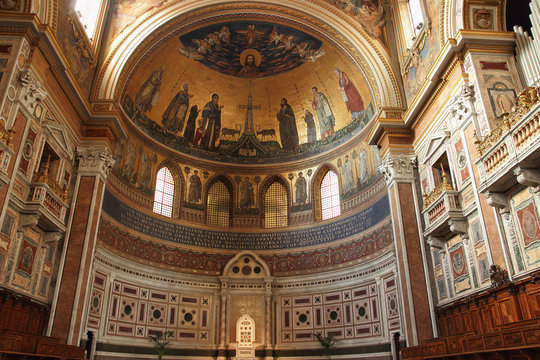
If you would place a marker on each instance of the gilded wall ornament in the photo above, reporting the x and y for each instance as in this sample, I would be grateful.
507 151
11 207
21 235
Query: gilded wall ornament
483 19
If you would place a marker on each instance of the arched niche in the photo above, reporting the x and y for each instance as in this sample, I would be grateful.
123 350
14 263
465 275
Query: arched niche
246 265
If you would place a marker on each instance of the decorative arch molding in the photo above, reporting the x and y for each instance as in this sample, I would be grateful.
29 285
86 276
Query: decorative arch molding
227 270
316 187
224 179
451 18
319 16
47 12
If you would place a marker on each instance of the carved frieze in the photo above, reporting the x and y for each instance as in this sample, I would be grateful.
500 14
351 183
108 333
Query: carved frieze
461 107
32 93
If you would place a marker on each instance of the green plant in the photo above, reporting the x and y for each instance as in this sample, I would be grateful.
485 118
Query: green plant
328 343
160 342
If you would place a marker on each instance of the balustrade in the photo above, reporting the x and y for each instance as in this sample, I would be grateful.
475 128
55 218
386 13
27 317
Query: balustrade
513 143
441 206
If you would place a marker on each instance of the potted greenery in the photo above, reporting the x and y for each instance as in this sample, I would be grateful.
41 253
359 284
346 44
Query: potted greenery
160 342
328 343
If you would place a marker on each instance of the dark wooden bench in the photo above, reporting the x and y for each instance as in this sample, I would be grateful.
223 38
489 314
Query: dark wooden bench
41 347
522 338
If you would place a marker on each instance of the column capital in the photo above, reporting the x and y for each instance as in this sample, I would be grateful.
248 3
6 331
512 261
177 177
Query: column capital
268 281
95 161
398 168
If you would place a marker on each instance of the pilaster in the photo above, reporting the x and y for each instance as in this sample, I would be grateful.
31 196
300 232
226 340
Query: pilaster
500 202
399 171
69 303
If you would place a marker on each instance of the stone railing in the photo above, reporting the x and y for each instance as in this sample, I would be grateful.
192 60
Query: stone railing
301 218
247 222
192 215
128 191
515 140
437 192
445 208
46 201
440 206
364 196
42 177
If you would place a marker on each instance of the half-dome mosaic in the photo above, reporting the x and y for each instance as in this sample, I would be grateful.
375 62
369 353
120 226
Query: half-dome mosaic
248 92
250 49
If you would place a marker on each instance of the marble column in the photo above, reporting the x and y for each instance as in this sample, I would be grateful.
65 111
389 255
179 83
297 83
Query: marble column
224 295
417 303
268 346
69 304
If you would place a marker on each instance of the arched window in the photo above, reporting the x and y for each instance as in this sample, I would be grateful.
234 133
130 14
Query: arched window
218 205
275 206
164 193
330 206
